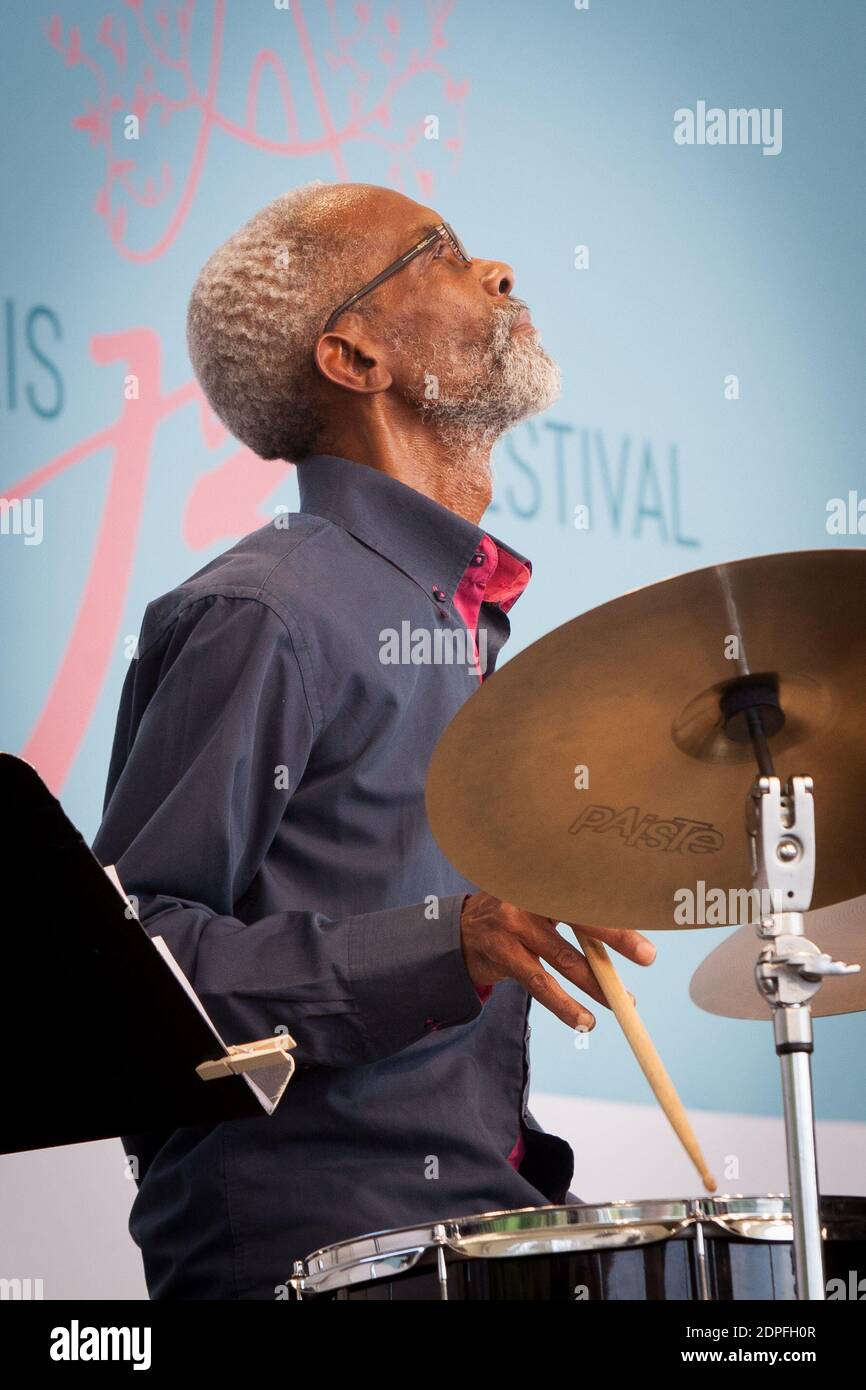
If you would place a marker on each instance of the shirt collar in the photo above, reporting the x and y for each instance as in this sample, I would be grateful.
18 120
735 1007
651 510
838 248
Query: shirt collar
509 575
427 541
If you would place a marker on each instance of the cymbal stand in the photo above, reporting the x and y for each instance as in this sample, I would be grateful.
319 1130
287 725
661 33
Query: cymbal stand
780 821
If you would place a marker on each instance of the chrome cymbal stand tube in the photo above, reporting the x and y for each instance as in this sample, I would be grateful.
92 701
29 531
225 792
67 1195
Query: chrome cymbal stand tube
780 821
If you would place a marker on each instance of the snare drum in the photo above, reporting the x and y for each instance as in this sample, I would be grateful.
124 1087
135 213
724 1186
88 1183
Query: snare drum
727 1248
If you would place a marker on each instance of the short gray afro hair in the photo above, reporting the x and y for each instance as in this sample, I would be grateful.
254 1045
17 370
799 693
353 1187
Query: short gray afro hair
259 305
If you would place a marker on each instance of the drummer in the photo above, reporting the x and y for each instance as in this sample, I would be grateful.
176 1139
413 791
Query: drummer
265 799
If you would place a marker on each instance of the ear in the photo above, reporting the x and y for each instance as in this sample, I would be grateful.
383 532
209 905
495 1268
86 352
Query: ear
351 361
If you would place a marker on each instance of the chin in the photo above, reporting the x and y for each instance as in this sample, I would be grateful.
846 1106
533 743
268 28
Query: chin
532 380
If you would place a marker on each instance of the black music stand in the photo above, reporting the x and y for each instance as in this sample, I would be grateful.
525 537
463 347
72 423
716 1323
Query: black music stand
101 1035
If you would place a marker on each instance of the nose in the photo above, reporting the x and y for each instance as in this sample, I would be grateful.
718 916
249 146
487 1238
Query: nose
497 278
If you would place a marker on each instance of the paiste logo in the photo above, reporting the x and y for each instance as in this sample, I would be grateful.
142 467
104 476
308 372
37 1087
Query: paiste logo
674 835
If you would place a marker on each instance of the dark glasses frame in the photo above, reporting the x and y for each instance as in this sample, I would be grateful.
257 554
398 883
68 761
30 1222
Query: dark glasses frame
442 232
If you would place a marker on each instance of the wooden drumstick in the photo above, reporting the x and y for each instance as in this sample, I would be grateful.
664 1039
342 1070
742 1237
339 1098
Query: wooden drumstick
642 1046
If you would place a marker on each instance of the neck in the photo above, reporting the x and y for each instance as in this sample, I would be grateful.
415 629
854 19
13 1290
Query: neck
443 463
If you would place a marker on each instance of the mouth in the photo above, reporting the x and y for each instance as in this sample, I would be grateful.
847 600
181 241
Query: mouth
523 323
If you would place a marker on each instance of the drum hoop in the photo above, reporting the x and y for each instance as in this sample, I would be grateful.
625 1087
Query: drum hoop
607 1226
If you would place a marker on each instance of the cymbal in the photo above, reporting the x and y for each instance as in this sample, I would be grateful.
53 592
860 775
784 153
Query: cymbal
724 983
591 778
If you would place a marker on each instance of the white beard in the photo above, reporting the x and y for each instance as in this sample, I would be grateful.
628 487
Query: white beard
482 393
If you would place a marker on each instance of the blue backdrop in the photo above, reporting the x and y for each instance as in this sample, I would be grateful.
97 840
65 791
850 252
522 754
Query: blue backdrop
711 334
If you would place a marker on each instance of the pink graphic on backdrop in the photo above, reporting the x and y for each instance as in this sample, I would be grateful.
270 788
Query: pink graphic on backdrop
370 68
222 504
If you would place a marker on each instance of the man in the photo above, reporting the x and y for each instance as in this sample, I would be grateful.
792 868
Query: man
265 796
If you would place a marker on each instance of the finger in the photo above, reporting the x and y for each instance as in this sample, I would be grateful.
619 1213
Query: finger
529 972
631 944
566 959
543 938
580 973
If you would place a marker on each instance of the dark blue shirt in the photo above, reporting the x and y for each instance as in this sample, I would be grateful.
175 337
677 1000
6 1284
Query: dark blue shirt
265 805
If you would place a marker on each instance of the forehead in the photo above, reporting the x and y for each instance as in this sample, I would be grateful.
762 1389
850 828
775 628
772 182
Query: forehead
385 223
404 219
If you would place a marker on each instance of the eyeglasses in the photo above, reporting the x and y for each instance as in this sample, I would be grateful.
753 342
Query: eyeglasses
441 233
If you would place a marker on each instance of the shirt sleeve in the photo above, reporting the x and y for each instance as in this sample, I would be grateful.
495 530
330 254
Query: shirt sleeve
217 722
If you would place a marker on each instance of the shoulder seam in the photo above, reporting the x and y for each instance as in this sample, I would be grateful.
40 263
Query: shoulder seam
290 550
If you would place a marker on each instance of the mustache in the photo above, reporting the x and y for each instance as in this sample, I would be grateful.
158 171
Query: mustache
515 309
504 318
